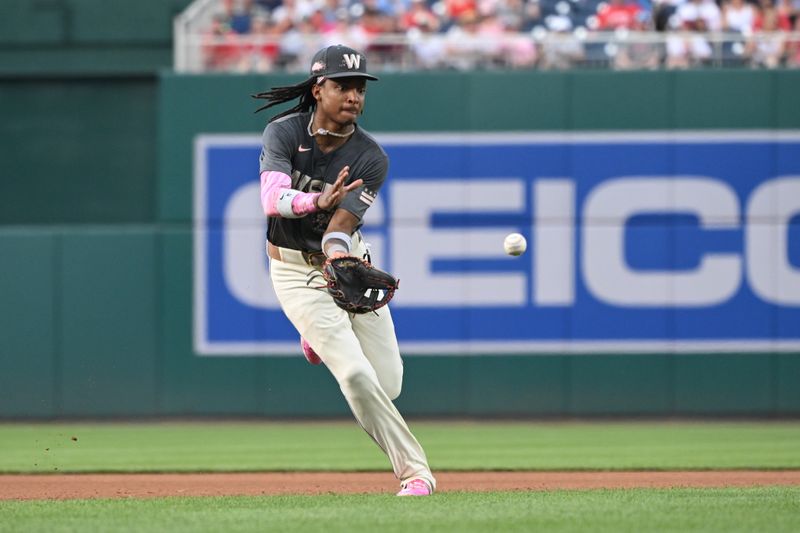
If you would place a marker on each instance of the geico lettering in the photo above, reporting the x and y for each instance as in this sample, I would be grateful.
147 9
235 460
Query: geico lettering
554 242
415 244
769 210
610 205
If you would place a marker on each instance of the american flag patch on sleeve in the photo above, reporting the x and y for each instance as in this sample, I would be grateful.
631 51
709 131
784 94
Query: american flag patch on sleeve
367 196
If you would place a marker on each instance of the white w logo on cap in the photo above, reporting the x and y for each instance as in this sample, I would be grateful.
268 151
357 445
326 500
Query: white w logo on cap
352 60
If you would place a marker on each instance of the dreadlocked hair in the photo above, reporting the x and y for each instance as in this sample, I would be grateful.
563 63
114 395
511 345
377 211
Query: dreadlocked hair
279 95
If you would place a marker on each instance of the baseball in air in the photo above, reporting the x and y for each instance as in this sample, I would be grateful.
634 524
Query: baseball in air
515 244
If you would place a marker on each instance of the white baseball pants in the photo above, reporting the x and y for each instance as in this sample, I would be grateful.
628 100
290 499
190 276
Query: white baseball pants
361 352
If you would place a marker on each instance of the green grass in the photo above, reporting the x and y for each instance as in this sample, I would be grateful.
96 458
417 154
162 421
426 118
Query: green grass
342 446
682 510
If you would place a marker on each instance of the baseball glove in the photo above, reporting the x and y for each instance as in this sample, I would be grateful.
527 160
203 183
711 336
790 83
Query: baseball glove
356 285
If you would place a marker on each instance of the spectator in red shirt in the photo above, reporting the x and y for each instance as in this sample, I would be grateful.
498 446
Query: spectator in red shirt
767 47
221 45
458 9
787 14
260 53
777 18
793 47
617 14
419 16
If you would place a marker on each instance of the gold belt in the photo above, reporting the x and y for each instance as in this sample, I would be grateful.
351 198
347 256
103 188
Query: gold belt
298 257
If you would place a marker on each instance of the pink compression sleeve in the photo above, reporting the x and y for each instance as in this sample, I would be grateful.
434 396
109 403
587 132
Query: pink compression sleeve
272 183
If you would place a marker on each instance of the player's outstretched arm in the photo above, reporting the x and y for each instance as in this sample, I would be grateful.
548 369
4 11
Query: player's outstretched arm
278 199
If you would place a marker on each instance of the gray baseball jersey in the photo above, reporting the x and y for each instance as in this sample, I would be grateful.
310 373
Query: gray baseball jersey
287 147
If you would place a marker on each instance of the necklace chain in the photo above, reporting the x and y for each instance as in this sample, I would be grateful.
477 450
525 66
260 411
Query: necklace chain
323 131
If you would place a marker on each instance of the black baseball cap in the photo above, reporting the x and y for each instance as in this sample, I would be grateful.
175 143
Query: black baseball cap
340 61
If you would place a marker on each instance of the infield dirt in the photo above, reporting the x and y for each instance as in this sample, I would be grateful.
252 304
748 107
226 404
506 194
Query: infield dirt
69 486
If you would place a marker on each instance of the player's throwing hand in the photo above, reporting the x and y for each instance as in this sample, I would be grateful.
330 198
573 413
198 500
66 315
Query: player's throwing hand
333 195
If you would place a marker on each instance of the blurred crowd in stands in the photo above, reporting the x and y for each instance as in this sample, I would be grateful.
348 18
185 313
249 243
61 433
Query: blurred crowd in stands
267 35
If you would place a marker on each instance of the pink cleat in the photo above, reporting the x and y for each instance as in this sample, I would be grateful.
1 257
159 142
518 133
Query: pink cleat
308 351
416 487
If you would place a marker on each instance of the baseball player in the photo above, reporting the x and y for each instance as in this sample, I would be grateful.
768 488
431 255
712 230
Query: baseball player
320 173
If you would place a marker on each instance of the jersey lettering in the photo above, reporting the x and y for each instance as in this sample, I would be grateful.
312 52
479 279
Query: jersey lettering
316 186
305 183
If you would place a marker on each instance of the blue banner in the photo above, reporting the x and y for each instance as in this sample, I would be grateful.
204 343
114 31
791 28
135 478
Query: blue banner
645 242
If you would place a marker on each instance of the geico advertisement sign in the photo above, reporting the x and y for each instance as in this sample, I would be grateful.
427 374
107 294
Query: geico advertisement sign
645 242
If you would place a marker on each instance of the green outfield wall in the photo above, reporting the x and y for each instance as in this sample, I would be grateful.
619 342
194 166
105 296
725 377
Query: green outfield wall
96 241
78 94
79 37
